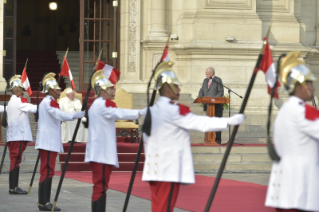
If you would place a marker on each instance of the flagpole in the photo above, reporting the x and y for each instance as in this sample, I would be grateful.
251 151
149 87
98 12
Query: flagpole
65 56
98 59
233 135
84 107
26 62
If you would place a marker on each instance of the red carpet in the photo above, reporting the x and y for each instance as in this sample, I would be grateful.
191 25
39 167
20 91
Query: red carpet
232 195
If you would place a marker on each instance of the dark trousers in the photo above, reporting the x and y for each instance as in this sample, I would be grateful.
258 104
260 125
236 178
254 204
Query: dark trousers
218 113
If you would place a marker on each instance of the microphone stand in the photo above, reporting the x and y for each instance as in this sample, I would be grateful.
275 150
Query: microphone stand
229 91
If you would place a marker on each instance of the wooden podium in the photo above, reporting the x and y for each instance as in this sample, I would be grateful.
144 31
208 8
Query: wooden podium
211 101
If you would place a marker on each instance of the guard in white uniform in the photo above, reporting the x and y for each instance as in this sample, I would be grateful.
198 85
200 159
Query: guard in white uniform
70 104
294 184
49 141
168 155
18 130
101 150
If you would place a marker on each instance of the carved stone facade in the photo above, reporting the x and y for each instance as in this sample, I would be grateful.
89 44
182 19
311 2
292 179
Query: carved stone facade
202 27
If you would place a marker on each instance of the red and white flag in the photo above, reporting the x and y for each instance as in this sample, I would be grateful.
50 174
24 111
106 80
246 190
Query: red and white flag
110 72
268 67
25 81
165 56
66 71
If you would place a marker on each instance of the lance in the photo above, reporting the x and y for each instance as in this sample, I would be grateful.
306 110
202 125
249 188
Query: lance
233 135
145 129
4 123
66 54
84 107
36 120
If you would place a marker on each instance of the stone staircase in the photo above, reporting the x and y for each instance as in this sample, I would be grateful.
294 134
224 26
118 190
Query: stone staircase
73 58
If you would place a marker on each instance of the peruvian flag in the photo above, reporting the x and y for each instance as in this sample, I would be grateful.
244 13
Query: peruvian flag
25 81
66 71
110 72
268 67
165 56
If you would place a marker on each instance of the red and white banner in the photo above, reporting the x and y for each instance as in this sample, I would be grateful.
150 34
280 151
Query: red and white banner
165 56
66 71
25 81
268 67
110 72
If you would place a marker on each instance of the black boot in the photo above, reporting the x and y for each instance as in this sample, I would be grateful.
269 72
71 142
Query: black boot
13 182
100 204
44 195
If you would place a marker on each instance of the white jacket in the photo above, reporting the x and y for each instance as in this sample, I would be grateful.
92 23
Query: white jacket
101 144
49 125
294 180
18 110
168 154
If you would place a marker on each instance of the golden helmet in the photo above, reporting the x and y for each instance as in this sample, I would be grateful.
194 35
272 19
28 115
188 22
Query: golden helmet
49 82
99 81
15 81
164 73
293 70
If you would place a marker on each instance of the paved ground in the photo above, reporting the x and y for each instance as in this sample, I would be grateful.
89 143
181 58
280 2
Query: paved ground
75 195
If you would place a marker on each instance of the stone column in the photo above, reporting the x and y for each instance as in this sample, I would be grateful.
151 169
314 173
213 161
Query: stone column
158 16
3 83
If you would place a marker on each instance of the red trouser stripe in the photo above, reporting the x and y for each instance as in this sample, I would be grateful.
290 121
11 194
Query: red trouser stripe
47 166
100 176
16 149
160 194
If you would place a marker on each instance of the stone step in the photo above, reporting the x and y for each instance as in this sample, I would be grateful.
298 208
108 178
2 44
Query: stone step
261 167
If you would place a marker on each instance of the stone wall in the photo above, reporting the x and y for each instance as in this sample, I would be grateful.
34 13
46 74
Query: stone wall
202 27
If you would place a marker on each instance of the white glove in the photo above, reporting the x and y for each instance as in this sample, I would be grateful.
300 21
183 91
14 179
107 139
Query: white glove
143 112
236 119
78 115
83 119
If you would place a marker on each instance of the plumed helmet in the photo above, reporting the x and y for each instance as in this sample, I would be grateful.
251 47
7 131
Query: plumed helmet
15 81
99 81
49 82
293 70
164 73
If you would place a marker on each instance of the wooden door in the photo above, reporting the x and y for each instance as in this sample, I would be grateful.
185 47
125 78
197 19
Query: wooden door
98 28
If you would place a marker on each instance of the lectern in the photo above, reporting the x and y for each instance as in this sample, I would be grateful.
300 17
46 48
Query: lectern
211 101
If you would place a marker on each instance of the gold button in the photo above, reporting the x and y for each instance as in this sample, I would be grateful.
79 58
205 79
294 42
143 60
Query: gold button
149 155
155 172
148 163
156 155
147 172
156 164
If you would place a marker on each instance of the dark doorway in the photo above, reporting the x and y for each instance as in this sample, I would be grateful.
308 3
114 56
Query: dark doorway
39 28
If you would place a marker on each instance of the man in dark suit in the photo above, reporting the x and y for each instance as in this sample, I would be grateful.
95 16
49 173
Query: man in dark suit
212 86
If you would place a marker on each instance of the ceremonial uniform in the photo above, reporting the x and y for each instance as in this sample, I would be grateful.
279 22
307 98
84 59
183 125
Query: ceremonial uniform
294 179
71 106
18 135
49 141
168 154
101 149
293 184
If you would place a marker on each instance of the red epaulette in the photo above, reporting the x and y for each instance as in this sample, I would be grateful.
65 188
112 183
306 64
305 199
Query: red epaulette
24 100
183 109
53 103
109 103
311 113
